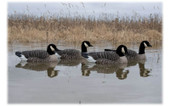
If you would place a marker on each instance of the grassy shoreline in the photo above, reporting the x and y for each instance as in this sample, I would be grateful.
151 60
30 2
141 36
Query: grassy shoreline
75 30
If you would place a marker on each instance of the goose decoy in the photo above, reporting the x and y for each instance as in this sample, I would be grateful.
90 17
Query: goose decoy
107 57
73 53
133 55
39 55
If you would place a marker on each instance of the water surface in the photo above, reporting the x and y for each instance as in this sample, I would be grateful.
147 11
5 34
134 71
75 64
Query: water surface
74 82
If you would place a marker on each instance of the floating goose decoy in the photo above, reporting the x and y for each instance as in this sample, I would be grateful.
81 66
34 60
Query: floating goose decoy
73 53
39 55
107 57
133 55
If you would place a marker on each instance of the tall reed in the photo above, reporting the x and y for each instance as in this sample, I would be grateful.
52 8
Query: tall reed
27 28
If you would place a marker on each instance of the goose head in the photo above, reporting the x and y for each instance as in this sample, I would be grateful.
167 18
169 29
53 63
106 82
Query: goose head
145 44
121 50
52 49
85 45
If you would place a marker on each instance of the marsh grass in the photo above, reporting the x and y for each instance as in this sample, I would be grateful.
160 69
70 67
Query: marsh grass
26 28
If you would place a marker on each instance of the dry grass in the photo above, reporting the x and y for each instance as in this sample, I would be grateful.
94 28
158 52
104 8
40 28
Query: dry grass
32 29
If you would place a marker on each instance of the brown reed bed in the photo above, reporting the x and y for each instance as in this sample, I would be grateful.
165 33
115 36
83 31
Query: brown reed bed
25 28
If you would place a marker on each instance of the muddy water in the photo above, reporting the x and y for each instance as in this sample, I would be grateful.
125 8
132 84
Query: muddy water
73 82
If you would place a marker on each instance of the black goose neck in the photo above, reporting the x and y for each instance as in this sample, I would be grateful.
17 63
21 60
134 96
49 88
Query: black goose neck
142 48
84 54
57 49
83 48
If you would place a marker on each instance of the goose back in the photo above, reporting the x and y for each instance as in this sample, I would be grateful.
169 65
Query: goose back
50 58
105 57
131 54
42 54
69 54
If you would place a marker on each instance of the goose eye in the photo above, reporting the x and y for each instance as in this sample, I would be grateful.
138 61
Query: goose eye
52 48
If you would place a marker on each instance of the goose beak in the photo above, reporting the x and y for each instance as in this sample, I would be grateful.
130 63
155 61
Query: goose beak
149 45
90 45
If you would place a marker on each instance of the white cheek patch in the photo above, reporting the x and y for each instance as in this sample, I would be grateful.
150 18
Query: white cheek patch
52 48
145 44
123 50
86 44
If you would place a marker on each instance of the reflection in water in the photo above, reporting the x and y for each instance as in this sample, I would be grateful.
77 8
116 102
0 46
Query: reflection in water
143 71
132 63
51 72
66 62
120 71
120 74
49 67
107 69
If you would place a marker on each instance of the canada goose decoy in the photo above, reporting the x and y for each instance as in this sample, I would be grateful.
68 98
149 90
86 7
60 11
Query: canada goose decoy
108 57
133 55
73 53
39 55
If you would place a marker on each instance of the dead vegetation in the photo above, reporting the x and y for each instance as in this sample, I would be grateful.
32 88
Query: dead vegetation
25 28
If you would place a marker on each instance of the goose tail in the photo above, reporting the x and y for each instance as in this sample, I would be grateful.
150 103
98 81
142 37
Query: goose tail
109 50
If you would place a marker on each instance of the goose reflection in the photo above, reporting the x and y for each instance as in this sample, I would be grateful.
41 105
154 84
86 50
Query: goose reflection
49 67
143 71
66 62
121 74
106 69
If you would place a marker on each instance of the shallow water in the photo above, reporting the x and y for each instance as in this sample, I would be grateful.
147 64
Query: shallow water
73 82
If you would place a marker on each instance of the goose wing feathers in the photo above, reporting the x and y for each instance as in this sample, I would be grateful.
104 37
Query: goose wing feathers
69 54
131 54
104 55
42 54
